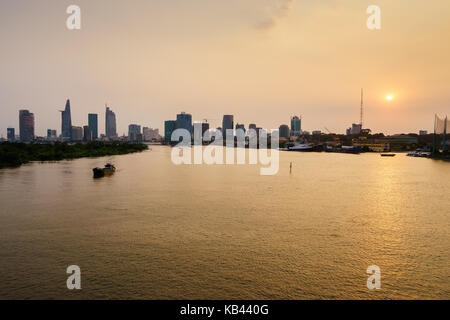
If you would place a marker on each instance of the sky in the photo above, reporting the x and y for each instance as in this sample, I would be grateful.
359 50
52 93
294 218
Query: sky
261 60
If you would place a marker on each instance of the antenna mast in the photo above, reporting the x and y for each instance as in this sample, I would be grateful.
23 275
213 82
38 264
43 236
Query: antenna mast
362 109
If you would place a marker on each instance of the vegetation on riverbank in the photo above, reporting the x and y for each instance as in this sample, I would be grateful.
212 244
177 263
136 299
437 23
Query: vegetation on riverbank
16 154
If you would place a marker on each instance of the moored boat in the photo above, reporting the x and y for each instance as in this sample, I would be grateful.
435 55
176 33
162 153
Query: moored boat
388 154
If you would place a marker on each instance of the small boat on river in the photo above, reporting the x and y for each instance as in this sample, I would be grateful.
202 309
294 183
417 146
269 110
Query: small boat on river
108 170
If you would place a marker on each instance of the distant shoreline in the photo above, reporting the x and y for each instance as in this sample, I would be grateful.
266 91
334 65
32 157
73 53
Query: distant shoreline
13 155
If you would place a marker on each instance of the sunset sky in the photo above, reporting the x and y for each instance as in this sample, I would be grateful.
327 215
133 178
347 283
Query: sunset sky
260 60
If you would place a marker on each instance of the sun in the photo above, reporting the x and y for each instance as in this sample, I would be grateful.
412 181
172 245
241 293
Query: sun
389 97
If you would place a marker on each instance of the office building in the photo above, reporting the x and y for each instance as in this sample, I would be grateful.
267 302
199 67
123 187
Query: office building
66 122
227 124
184 121
240 126
87 134
11 134
134 133
93 124
205 127
296 126
284 131
77 134
169 128
26 123
51 134
252 126
110 124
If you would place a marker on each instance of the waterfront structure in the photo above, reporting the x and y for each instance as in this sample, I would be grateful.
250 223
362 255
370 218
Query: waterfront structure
93 124
87 134
110 124
11 134
296 126
77 134
227 124
26 123
423 132
316 133
66 121
184 121
284 131
169 128
134 133
355 129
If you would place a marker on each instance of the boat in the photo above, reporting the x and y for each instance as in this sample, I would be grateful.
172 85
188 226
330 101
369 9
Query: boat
388 154
108 170
351 149
301 147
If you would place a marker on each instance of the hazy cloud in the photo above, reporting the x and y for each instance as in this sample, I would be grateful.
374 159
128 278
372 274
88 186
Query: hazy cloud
275 14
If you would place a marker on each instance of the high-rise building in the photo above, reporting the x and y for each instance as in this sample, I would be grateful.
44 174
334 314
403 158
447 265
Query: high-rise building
252 126
26 122
77 134
51 134
93 124
66 122
284 131
184 121
296 126
87 134
110 124
134 133
11 134
240 126
150 134
227 124
169 128
205 127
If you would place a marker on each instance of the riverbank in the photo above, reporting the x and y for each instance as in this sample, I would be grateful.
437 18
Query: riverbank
16 154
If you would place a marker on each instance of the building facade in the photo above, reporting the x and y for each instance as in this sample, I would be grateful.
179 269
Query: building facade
87 134
169 128
66 122
110 124
184 121
296 126
134 133
11 134
284 131
77 134
93 124
227 124
26 122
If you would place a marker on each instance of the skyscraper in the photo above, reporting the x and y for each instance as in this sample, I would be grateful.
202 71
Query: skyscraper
284 131
134 133
66 122
93 124
11 134
26 122
51 134
184 121
110 124
87 134
252 126
296 126
240 126
227 124
169 128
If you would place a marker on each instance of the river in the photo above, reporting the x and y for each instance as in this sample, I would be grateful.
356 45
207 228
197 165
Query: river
155 230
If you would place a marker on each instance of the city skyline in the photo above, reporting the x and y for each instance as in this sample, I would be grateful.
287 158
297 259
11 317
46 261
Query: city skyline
248 62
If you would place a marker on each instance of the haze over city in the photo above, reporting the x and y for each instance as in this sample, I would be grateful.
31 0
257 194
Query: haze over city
261 60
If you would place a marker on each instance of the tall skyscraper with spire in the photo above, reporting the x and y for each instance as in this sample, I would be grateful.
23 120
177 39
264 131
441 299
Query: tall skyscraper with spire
110 124
66 122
